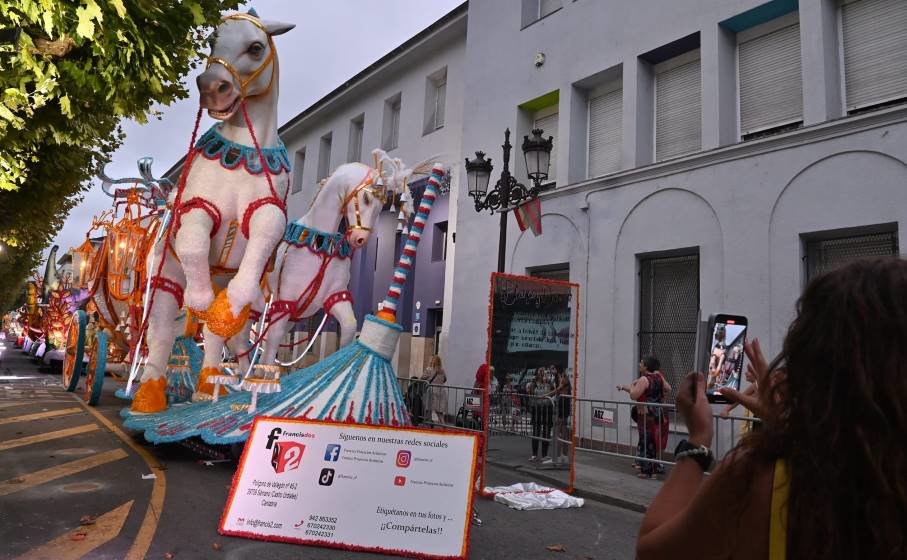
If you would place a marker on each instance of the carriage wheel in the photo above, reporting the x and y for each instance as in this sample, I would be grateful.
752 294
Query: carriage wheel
75 348
97 363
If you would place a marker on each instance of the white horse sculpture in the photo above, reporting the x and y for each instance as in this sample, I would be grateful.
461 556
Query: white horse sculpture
226 221
305 279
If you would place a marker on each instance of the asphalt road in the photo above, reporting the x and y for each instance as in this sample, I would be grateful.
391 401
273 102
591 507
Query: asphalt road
60 462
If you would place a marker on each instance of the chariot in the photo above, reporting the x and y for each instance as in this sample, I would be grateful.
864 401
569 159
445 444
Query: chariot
110 276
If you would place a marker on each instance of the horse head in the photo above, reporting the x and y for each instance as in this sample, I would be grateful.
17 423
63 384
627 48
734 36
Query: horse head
242 65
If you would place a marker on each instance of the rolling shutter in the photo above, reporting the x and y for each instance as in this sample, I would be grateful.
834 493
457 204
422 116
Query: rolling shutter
678 110
875 51
548 123
605 127
771 85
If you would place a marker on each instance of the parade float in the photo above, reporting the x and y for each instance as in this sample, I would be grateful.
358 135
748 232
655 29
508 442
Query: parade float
356 384
223 260
107 303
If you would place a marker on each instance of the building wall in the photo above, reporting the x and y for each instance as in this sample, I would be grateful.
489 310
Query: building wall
744 205
406 74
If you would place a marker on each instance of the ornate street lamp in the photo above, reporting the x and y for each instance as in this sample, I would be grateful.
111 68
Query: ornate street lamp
507 193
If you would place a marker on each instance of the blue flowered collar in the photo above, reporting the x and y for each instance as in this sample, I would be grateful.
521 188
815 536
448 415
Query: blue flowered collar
319 242
214 146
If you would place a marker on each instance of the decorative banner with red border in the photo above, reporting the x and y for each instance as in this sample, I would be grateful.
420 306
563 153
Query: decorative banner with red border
356 487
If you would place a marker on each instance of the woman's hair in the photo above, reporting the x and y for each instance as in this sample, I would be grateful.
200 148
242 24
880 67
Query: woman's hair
435 362
839 414
651 363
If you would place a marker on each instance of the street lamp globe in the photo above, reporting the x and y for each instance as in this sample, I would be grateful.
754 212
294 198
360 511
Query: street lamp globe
537 152
478 174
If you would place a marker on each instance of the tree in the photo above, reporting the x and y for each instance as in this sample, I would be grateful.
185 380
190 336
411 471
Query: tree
80 67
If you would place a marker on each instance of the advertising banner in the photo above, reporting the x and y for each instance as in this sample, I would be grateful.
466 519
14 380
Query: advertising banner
356 487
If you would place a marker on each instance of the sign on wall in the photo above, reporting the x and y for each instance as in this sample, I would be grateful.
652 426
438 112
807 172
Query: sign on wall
371 488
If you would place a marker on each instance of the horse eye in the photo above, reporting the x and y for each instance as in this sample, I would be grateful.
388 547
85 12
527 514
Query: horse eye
255 49
367 199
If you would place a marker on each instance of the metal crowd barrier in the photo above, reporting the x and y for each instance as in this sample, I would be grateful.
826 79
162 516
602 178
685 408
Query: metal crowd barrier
607 427
447 406
604 427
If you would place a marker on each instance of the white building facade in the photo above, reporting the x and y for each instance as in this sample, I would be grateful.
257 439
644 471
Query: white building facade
410 104
710 157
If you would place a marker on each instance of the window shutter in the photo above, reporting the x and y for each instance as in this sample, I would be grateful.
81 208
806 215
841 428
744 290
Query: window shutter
548 6
549 125
605 127
875 51
771 84
678 110
440 100
298 170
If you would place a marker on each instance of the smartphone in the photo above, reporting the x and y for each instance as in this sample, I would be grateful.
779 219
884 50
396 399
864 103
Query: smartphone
724 356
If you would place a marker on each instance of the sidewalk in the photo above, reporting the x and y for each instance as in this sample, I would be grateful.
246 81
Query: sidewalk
611 480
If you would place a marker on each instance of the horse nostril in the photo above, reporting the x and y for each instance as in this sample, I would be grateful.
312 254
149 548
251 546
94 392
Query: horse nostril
224 87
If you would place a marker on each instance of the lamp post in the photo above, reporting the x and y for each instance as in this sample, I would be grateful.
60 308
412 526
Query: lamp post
507 193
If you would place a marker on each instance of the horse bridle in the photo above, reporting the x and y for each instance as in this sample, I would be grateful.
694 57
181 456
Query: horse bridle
244 84
372 183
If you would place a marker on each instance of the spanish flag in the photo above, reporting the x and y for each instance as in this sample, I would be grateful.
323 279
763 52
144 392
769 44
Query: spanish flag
529 215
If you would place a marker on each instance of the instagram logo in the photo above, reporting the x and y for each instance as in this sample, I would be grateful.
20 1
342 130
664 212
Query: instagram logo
403 458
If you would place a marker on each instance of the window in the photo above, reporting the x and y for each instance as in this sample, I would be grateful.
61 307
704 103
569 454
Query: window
298 170
825 253
547 120
324 156
669 312
354 151
391 134
605 129
769 74
439 242
534 10
551 272
435 99
874 37
678 106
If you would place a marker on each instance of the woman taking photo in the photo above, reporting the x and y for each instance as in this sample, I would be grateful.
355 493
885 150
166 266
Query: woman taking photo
826 475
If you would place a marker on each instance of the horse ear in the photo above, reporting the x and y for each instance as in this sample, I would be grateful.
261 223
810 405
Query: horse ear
277 27
252 12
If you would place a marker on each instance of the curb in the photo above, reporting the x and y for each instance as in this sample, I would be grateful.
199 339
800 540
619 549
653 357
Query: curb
577 491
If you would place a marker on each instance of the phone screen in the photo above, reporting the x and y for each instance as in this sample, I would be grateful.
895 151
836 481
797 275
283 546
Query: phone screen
725 358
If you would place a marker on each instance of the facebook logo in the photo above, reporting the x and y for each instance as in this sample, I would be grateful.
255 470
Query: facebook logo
332 453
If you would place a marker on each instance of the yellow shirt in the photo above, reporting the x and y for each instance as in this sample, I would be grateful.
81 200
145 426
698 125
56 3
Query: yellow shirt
777 538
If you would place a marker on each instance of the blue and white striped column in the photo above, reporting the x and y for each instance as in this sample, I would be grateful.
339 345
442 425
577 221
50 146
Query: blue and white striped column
407 260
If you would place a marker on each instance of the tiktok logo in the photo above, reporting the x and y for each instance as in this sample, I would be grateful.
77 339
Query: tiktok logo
326 478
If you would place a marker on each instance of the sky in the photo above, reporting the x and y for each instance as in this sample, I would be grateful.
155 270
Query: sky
333 41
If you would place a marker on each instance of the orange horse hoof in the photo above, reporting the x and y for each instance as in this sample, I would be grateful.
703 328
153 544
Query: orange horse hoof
220 320
206 387
151 396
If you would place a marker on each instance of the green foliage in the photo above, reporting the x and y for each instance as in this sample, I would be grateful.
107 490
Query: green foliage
79 68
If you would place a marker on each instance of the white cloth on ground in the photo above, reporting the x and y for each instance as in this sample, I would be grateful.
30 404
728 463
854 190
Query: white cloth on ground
529 495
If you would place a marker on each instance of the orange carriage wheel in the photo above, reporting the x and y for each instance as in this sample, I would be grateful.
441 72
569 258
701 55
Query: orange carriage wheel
97 364
75 348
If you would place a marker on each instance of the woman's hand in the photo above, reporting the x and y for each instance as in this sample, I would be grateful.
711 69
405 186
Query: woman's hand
696 413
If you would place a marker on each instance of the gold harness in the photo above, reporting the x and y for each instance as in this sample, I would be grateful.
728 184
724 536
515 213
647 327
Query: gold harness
244 84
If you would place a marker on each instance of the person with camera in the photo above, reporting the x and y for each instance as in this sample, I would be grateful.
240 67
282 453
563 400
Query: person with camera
825 475
650 386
